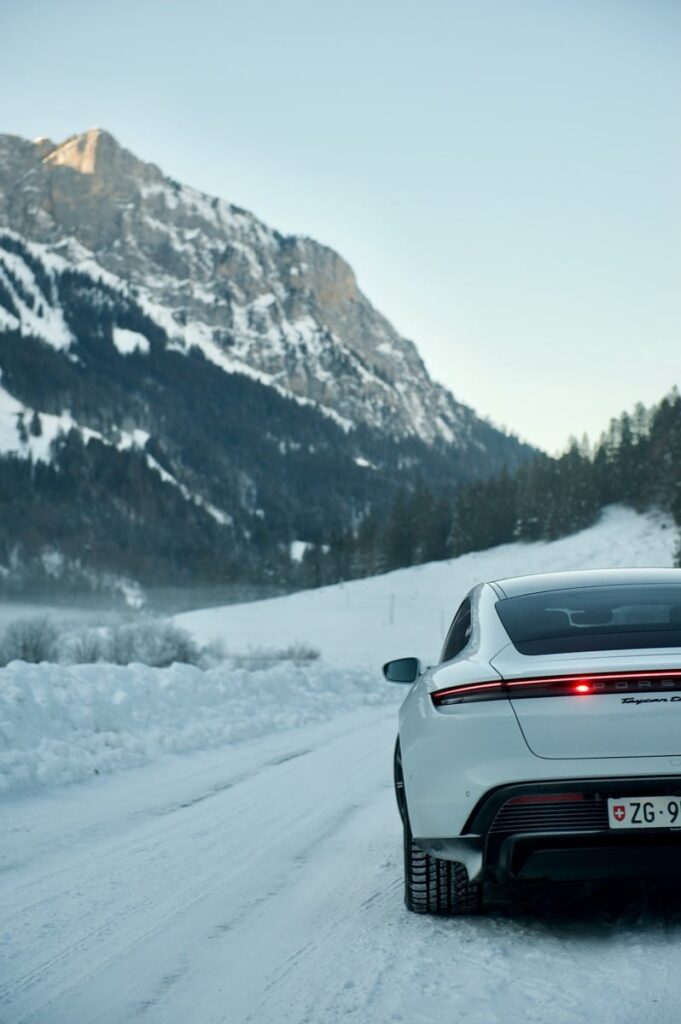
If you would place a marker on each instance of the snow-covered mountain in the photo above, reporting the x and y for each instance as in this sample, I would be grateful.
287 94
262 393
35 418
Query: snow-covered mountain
217 277
239 378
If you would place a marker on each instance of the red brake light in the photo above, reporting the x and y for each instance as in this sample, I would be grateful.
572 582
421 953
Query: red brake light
583 688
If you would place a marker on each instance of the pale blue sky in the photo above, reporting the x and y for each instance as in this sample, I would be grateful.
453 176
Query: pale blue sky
503 175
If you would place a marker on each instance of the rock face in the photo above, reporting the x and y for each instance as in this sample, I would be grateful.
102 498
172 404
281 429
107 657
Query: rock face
187 395
285 307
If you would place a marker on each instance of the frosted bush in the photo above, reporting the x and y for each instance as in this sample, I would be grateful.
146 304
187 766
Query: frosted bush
82 647
150 642
300 653
213 653
259 658
34 640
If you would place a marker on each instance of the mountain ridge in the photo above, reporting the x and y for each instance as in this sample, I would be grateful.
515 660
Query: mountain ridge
286 306
167 360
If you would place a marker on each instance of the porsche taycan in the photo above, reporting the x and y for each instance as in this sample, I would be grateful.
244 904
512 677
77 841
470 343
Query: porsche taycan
546 743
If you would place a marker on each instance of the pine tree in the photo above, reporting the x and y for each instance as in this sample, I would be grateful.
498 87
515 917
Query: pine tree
21 429
400 539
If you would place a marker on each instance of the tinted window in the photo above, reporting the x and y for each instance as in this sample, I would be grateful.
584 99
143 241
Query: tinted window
594 619
459 632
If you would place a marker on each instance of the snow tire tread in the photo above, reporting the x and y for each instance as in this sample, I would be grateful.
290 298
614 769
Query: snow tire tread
433 886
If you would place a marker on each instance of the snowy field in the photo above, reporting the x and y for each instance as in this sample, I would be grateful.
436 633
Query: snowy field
234 855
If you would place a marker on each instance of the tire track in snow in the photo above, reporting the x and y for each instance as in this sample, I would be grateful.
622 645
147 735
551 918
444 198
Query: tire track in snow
176 863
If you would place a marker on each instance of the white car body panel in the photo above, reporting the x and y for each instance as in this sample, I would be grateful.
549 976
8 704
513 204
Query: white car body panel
596 725
453 756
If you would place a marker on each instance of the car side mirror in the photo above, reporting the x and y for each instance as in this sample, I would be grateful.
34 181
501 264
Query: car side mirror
402 670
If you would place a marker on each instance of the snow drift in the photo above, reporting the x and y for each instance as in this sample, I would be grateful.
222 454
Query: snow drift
62 724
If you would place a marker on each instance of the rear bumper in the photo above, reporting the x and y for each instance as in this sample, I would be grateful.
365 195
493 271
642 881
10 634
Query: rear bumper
586 857
505 839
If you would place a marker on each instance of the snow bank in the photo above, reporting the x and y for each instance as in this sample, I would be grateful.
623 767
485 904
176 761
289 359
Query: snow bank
60 725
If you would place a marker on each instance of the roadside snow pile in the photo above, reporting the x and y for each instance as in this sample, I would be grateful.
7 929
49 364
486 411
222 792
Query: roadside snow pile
61 724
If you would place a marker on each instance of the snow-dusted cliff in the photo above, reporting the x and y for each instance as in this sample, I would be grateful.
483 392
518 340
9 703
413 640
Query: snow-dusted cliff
216 276
201 391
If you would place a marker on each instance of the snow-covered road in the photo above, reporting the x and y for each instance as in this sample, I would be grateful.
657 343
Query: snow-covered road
262 884
210 863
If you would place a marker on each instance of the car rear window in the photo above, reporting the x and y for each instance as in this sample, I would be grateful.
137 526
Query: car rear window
594 619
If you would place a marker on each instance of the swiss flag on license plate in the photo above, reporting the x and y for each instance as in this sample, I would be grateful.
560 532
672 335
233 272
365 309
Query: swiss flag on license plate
619 812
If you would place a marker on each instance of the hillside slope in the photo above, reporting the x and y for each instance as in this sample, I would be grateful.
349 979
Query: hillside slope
407 612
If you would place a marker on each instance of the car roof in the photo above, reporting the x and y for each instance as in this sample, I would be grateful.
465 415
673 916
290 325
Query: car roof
517 586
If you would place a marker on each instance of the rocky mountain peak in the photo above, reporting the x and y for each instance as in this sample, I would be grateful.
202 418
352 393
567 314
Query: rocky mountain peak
84 153
285 308
96 153
44 145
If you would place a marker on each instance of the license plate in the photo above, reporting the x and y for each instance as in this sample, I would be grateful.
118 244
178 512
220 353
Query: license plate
645 812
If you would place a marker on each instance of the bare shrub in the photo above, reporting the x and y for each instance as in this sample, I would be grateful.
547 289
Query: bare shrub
33 640
213 653
120 644
151 642
300 653
82 647
265 657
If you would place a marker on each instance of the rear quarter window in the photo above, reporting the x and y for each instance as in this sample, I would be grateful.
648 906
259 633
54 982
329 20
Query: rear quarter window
459 632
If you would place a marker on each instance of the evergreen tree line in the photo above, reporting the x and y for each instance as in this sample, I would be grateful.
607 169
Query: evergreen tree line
637 462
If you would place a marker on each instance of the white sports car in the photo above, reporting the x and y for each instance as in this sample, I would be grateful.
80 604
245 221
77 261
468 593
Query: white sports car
546 744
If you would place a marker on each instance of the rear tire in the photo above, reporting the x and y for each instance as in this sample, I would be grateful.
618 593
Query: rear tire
433 886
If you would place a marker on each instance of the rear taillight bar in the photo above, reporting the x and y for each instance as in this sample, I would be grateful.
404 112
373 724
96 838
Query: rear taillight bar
658 681
469 693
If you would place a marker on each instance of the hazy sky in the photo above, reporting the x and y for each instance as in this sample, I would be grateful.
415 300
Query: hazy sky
503 175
